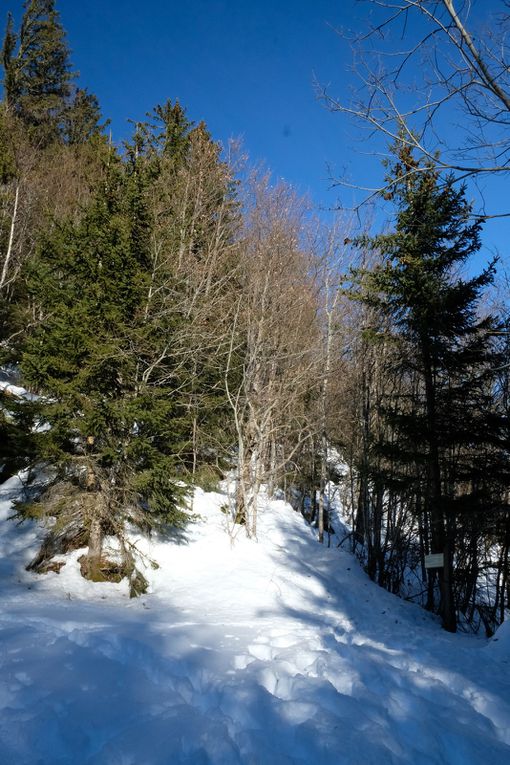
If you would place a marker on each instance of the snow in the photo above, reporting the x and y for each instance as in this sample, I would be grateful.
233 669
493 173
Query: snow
499 646
275 652
16 391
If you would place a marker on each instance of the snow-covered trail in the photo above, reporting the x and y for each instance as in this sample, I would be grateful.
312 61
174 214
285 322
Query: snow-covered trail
275 653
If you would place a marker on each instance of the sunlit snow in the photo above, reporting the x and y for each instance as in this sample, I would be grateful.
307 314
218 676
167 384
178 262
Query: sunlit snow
275 652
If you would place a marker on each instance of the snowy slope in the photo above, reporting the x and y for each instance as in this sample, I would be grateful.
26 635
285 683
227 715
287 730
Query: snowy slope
272 653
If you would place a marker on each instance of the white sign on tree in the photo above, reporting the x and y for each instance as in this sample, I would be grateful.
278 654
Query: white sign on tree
436 560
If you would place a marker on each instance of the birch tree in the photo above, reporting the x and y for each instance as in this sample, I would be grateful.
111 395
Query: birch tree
272 347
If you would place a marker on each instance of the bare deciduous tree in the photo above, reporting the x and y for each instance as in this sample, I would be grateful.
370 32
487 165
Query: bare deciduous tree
273 343
435 75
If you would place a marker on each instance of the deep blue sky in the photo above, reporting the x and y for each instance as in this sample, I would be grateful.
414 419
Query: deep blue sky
245 67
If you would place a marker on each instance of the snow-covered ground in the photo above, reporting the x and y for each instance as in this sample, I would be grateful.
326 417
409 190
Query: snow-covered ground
279 652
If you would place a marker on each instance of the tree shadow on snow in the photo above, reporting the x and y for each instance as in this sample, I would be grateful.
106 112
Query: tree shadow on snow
389 685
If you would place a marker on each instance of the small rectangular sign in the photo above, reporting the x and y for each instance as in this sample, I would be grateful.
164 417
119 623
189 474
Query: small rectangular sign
436 560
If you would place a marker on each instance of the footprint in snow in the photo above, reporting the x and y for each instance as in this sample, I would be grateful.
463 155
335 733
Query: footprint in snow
242 661
261 651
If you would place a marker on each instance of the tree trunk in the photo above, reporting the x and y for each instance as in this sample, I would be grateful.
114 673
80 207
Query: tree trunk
10 245
442 538
271 483
93 560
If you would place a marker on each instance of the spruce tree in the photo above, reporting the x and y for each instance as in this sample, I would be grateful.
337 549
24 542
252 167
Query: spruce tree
81 119
128 352
106 380
195 219
8 62
445 426
38 81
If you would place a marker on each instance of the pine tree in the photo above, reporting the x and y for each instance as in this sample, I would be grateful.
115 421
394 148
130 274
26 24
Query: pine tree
445 424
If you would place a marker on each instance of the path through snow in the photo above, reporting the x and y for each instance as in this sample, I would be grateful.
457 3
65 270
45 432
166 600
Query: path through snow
279 652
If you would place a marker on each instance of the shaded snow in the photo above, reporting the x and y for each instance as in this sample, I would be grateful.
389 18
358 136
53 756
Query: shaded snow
499 646
16 391
279 652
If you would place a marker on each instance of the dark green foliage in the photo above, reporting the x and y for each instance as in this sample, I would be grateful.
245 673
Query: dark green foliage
114 430
8 49
38 79
37 74
444 441
17 446
195 215
10 290
434 319
115 306
7 154
81 119
169 132
125 355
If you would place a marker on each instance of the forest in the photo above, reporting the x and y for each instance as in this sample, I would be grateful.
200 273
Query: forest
174 317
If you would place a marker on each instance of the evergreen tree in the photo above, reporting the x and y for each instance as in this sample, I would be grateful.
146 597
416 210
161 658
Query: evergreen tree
8 65
14 233
17 447
40 177
81 119
195 219
445 425
107 381
38 79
